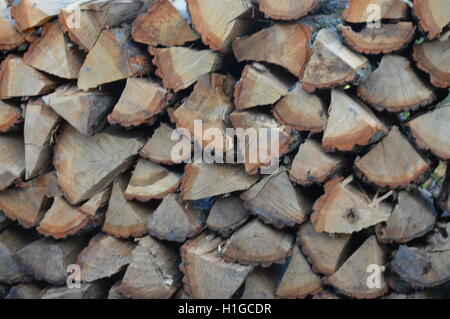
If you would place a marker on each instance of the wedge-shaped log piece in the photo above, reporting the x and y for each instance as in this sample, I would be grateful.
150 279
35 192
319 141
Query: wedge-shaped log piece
276 201
124 218
21 80
174 220
10 117
298 280
208 180
388 38
258 244
226 215
411 218
206 274
260 85
114 57
10 37
345 209
47 260
86 165
350 123
287 9
434 58
260 284
139 103
12 159
24 291
352 277
434 15
41 124
332 63
301 110
211 103
325 252
93 290
93 207
392 162
164 24
409 92
180 67
104 257
282 44
361 11
153 271
84 110
313 165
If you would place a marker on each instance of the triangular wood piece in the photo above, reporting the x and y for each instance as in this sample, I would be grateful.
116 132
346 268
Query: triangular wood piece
21 80
332 63
350 123
345 209
359 11
434 58
434 15
388 38
93 290
288 9
77 159
276 201
411 218
4 221
84 110
301 110
10 117
12 160
226 215
283 44
153 271
260 85
139 103
409 92
298 280
260 284
174 220
258 244
24 291
164 24
93 208
150 181
124 218
351 279
221 280
313 165
392 162
211 103
208 180
114 57
325 252
10 37
178 74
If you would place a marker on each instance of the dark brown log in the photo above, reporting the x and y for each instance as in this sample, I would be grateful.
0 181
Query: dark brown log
12 159
226 215
359 11
434 15
434 58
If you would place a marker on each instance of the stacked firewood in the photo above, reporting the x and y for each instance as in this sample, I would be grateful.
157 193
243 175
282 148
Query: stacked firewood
93 203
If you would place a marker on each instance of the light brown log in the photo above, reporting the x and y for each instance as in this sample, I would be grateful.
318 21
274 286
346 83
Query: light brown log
12 159
287 9
93 207
10 36
226 215
260 284
359 11
434 15
10 117
24 291
434 58
93 290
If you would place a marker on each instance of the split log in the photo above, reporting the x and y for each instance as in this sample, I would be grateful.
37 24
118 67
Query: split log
38 258
434 15
325 252
221 280
150 181
276 201
434 58
332 64
258 244
287 9
352 277
313 165
386 39
21 80
93 207
77 156
93 290
124 218
350 123
207 180
12 159
54 53
178 74
408 94
140 102
359 11
164 24
285 45
301 110
392 162
174 220
298 280
24 291
153 271
345 209
226 215
10 117
260 284
104 257
84 110
411 218
10 36
114 57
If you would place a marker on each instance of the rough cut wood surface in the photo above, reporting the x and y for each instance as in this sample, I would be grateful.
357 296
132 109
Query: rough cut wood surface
359 10
287 9
433 57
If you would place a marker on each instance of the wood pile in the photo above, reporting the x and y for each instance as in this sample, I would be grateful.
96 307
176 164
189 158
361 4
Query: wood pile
92 92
